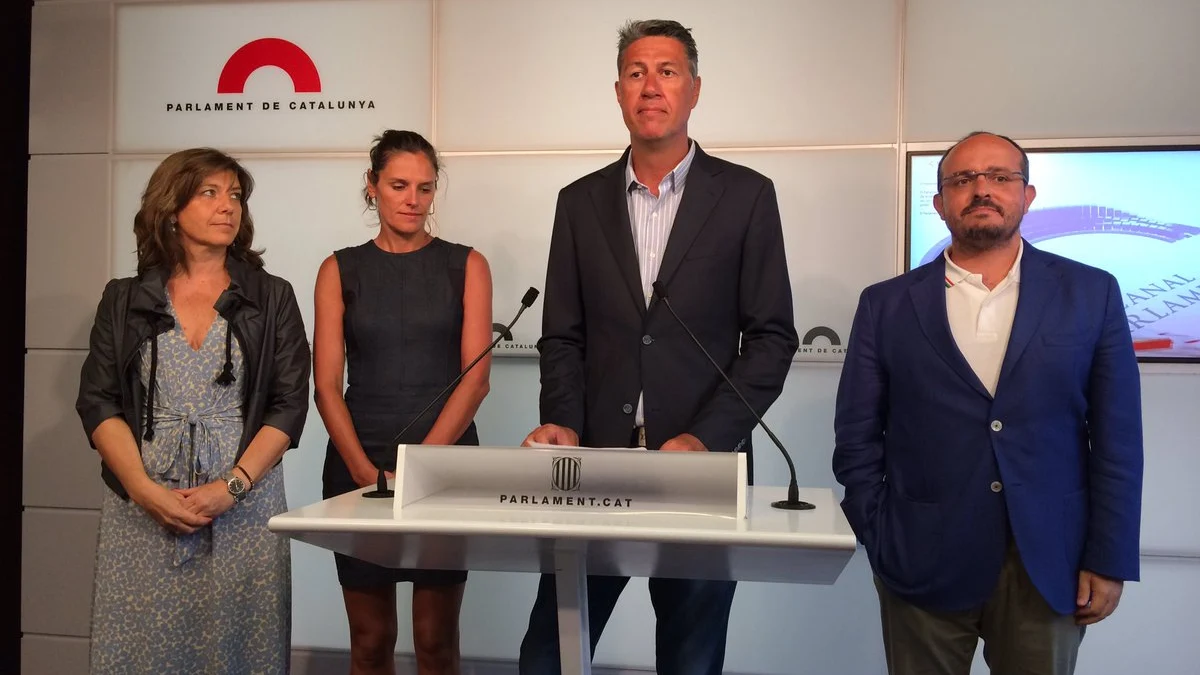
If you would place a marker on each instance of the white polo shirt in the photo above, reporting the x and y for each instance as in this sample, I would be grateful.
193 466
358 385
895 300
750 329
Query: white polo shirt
981 319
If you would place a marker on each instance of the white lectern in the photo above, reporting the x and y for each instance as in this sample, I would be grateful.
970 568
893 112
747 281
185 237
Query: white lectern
574 512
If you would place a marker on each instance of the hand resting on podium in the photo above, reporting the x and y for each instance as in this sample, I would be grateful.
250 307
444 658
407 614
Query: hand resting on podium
555 436
551 434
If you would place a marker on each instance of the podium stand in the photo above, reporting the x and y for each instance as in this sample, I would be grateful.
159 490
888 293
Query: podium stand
575 512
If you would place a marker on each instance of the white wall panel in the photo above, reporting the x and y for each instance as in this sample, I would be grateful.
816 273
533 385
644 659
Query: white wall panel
838 212
60 468
484 75
129 178
539 73
802 419
70 83
1035 69
169 56
504 207
1171 432
58 560
66 268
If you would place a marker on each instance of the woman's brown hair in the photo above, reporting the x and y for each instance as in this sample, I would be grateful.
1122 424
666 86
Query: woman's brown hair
172 185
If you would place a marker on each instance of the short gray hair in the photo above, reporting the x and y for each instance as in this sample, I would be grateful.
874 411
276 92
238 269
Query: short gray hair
636 30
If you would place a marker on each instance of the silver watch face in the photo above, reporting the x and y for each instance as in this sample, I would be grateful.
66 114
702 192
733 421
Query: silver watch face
237 487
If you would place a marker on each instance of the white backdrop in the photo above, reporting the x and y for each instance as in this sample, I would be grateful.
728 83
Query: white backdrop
823 96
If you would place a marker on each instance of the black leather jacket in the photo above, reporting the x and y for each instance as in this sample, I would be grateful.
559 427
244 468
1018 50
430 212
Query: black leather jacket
262 312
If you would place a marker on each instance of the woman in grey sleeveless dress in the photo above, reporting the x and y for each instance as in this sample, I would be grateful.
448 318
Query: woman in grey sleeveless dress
401 314
195 384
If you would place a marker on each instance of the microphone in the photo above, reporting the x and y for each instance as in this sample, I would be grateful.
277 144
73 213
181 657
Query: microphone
792 503
526 302
381 490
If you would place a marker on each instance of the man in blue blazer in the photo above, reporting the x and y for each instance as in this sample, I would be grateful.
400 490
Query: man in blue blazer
617 369
988 433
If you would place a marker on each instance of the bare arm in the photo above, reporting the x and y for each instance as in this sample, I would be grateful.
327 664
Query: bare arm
263 453
115 443
329 364
464 401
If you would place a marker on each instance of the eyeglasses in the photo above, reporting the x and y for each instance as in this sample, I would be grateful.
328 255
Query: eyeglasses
995 178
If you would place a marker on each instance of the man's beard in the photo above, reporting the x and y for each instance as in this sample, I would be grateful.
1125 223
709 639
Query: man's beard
982 238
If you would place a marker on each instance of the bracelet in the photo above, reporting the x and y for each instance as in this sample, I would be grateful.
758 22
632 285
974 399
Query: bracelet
246 474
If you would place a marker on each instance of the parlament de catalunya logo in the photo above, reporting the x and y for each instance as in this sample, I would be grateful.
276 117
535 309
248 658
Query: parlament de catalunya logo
830 345
263 53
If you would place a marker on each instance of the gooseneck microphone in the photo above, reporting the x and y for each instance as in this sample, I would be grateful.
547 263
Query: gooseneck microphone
792 503
526 302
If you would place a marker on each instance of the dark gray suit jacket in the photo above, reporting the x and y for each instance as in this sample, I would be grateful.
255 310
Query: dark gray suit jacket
726 275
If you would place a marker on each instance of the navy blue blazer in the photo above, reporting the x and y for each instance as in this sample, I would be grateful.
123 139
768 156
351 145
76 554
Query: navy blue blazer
938 471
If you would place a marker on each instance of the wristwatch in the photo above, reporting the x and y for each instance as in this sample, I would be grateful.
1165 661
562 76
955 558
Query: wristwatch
237 487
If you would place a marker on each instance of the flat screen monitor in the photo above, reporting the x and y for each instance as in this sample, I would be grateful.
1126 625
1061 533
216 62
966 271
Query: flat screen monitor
1134 211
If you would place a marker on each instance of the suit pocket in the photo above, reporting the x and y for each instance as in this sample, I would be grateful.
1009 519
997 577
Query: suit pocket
908 537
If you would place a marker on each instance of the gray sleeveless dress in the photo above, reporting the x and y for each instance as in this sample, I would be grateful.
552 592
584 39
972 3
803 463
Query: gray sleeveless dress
403 331
217 600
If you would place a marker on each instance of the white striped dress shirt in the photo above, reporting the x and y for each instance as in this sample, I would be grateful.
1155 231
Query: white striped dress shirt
651 219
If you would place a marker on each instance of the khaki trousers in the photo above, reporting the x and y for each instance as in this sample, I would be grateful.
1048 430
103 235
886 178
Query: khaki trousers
1021 634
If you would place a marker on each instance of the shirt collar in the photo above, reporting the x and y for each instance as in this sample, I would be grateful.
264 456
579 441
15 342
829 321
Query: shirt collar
956 274
673 181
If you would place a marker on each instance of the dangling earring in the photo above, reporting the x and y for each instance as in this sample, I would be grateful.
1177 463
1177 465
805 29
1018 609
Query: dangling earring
174 224
372 204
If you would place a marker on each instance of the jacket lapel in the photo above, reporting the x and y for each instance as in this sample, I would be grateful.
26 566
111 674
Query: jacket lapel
700 195
237 296
148 301
929 298
1039 286
612 211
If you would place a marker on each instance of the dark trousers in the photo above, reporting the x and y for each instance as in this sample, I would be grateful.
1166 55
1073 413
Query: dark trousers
1021 634
692 620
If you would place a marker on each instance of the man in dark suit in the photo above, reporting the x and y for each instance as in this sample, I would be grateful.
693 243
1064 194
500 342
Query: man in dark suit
617 369
988 432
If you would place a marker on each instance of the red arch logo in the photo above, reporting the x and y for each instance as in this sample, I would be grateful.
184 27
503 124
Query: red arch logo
269 52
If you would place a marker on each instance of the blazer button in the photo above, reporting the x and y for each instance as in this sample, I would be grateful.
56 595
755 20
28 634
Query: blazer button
996 486
996 425
626 408
646 339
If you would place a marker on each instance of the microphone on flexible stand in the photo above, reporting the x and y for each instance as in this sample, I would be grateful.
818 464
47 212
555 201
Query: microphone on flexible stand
381 489
792 503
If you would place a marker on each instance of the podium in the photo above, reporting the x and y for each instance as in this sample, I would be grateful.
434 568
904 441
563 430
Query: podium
572 512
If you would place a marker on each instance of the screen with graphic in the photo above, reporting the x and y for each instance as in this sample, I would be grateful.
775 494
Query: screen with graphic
1130 211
